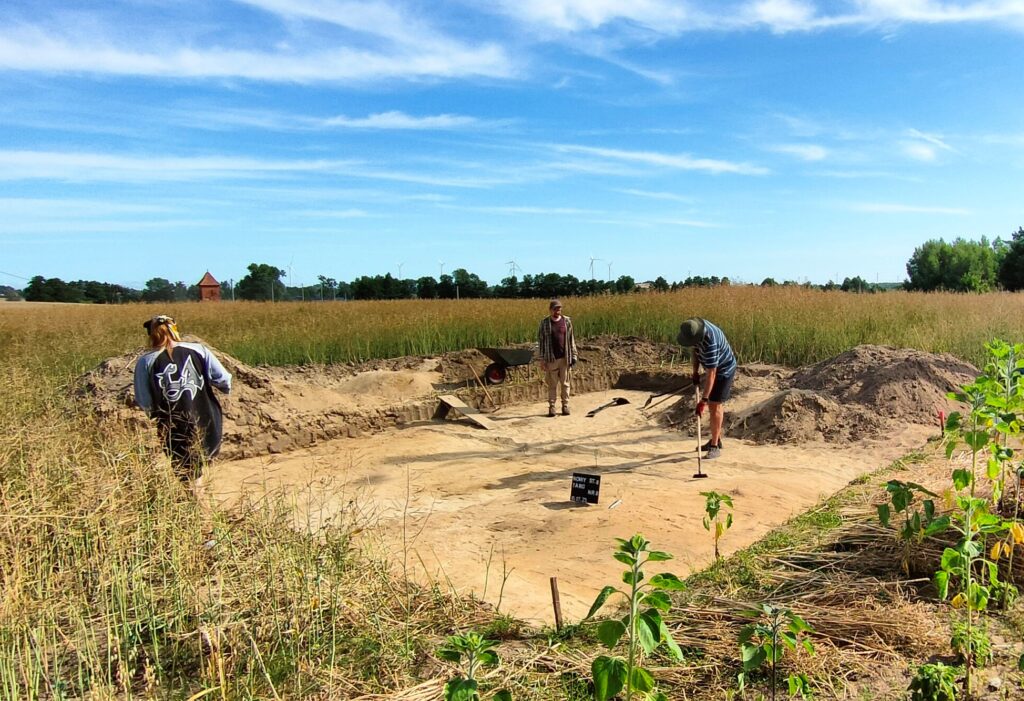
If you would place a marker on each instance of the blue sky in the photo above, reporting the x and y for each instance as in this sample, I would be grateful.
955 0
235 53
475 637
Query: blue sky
787 138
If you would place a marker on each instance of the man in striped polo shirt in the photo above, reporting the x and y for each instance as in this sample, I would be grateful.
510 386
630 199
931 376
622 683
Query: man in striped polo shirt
711 351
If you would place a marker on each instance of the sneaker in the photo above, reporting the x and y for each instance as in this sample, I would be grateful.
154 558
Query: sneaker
707 446
551 412
565 411
713 453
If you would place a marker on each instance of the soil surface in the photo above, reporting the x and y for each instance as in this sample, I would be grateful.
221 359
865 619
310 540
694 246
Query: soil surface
487 512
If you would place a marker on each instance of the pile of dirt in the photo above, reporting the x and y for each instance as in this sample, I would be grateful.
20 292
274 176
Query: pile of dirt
800 415
899 383
862 393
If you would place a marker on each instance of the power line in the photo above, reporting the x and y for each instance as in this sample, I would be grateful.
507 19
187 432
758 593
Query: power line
20 277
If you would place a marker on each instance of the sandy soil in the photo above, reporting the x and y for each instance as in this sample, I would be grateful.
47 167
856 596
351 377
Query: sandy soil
454 504
447 498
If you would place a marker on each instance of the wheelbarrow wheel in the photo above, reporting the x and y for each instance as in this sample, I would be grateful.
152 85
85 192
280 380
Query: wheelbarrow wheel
495 373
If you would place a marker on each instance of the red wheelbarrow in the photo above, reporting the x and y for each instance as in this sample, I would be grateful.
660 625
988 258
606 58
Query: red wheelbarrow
504 358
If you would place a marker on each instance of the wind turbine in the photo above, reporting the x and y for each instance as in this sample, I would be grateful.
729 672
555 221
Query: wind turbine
441 263
592 259
400 270
609 271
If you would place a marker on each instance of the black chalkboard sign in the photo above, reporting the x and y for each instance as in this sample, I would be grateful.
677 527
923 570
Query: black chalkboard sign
585 488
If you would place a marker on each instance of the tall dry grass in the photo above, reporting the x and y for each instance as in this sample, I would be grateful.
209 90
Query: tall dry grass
116 583
791 326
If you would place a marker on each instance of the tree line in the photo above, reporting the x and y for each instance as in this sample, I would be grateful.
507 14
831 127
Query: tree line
959 265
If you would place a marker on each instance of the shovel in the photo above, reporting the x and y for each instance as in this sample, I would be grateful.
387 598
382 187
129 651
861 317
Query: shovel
670 392
699 475
617 401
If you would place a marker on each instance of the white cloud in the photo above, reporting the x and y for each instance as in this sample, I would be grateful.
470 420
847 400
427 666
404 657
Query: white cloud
889 208
662 17
782 15
919 151
281 121
933 11
670 196
576 15
62 49
54 208
335 213
522 209
82 166
673 161
400 120
805 152
90 167
930 139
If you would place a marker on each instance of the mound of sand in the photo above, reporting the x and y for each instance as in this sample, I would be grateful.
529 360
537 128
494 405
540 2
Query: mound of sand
899 383
800 416
864 392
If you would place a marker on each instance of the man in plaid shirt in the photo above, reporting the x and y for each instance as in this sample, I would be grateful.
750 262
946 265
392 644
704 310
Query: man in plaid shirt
557 351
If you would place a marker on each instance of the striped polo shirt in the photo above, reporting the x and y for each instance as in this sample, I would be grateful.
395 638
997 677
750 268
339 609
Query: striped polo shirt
715 352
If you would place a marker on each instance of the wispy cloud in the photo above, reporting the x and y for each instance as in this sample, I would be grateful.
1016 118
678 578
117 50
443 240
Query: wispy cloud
58 207
891 208
91 167
668 18
919 151
805 152
335 213
522 209
83 166
670 196
664 160
379 41
217 119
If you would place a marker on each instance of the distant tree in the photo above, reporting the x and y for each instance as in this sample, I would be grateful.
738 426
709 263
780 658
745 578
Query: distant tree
426 287
508 288
446 287
328 287
263 283
158 289
625 284
855 284
469 284
660 284
41 289
9 293
1011 270
769 282
366 287
959 266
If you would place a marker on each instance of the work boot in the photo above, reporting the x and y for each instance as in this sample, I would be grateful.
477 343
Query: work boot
708 446
713 453
551 412
565 410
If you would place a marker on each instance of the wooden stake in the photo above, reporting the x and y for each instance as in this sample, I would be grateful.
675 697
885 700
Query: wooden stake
556 603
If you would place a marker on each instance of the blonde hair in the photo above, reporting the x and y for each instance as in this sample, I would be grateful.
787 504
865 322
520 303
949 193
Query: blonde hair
163 333
161 337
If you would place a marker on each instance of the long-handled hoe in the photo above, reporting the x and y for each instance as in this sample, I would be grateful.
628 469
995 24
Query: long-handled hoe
700 474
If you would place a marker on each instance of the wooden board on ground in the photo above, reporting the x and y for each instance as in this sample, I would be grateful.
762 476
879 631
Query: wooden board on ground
450 401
